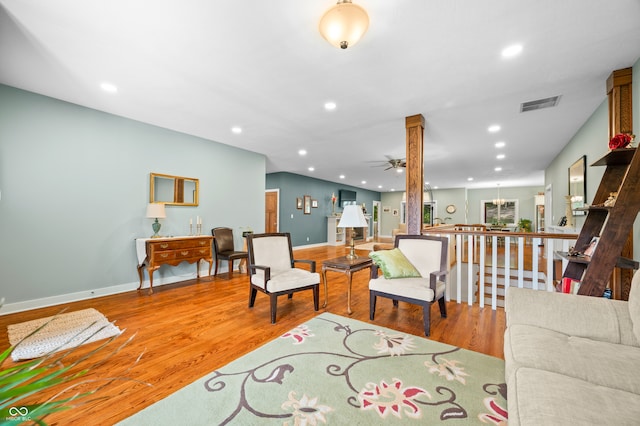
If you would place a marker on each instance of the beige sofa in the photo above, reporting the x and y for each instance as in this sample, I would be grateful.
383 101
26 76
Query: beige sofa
572 360
400 230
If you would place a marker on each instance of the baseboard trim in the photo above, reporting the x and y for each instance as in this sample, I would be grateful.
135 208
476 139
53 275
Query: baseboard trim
27 305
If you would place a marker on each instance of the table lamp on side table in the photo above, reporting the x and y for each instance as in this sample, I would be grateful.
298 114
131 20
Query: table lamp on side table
156 210
352 217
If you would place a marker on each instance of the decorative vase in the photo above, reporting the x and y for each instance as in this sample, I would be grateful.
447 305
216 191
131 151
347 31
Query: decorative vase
568 212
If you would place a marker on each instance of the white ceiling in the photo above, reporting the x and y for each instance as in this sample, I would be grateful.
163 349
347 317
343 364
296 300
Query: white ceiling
203 66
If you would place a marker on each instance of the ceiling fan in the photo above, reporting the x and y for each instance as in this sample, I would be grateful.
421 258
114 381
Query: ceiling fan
393 163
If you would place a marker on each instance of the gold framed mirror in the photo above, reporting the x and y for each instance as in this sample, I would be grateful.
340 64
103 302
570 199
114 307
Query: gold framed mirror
173 190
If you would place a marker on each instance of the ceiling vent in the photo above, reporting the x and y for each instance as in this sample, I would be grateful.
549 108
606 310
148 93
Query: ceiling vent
539 104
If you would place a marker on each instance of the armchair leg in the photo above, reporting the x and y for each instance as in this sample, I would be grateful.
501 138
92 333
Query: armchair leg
395 303
372 305
215 272
273 302
443 307
316 297
252 296
230 268
290 295
426 313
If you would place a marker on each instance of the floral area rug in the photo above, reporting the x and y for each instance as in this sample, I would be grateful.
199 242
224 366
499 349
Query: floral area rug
338 371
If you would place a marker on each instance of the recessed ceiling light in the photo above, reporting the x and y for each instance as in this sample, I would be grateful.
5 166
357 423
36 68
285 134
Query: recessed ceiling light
511 51
435 187
393 190
379 186
302 152
330 106
499 144
311 169
237 130
498 169
494 128
398 170
426 183
109 87
364 181
469 179
500 156
341 176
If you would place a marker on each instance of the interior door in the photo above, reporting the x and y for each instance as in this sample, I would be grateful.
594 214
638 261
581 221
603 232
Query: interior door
271 211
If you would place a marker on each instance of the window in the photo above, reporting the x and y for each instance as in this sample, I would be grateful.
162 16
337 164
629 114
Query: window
494 214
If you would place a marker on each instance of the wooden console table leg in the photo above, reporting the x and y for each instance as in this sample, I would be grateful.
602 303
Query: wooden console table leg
140 275
150 271
324 278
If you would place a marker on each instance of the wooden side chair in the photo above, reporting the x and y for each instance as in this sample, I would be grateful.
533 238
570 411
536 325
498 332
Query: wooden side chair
415 272
225 250
272 270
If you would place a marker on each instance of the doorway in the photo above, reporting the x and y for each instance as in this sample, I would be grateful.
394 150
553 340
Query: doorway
377 208
271 209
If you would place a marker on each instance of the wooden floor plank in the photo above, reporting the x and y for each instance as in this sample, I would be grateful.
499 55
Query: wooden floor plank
188 329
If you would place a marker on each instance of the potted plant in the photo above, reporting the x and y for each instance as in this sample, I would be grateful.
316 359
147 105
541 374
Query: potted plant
524 225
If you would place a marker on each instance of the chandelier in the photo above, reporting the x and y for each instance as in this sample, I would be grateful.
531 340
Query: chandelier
344 24
499 201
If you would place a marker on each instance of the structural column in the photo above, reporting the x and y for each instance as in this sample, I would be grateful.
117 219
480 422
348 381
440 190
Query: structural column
415 173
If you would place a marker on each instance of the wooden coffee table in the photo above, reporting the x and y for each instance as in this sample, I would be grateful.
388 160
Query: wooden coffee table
345 266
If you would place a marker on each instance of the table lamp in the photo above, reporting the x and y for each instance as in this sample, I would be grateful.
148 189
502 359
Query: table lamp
352 217
156 210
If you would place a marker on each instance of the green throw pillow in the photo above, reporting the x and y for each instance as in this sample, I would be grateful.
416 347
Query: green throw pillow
394 264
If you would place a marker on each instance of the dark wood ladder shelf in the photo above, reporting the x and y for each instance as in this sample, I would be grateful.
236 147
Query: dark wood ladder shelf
611 224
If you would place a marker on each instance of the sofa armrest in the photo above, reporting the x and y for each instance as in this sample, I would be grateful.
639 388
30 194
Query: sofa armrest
581 316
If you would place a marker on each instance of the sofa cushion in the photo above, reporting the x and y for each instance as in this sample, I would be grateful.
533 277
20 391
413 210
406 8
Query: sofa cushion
634 304
591 317
394 264
601 363
538 397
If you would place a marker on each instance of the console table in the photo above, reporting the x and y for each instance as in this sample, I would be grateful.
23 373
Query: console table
154 252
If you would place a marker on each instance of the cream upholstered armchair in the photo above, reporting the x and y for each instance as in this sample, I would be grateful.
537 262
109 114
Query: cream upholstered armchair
414 271
272 270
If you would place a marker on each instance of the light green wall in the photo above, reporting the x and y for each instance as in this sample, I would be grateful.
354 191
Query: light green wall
311 229
74 186
591 140
466 201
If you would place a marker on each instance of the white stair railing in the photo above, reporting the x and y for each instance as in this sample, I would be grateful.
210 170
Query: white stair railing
475 248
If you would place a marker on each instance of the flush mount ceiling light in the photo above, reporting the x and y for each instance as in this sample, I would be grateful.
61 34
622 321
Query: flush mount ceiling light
344 24
109 87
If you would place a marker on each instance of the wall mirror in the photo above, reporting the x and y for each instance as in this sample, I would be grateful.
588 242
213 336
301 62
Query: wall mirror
173 190
578 185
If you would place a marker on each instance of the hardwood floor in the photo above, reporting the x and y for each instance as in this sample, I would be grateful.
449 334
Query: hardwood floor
186 330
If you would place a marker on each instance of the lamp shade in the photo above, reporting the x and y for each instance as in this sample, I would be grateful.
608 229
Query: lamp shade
352 217
344 24
156 210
